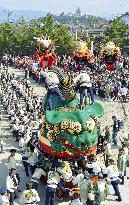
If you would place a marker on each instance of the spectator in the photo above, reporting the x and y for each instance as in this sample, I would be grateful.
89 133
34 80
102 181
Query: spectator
29 196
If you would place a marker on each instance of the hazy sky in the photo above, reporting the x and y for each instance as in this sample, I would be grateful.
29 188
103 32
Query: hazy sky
96 7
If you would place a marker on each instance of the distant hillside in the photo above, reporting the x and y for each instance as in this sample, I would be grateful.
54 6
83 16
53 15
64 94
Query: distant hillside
86 20
16 14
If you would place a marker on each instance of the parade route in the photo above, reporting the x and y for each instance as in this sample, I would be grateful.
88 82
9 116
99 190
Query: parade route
111 108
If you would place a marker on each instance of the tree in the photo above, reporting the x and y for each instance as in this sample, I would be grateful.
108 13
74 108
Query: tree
58 33
20 36
7 37
117 32
63 40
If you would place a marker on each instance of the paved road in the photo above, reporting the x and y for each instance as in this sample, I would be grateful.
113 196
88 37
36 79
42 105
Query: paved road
10 143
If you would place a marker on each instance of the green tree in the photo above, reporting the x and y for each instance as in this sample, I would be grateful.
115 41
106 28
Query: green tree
23 35
20 36
7 37
117 32
63 40
58 33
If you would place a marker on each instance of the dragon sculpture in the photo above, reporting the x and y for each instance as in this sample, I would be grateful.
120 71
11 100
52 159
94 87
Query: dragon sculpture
83 55
109 54
68 132
47 56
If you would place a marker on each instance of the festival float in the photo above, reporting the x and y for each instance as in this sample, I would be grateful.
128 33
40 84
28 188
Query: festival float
45 51
82 54
110 54
68 132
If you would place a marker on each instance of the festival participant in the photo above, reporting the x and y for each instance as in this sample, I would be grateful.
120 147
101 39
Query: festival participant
52 182
123 91
32 161
100 190
85 187
121 164
91 198
107 135
11 163
113 176
76 200
52 81
84 83
25 156
94 166
107 152
12 185
115 129
29 196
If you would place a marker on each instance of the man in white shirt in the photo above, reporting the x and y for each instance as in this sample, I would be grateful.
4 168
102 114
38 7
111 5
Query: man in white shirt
12 185
95 166
52 182
83 81
113 176
11 163
32 161
123 91
52 81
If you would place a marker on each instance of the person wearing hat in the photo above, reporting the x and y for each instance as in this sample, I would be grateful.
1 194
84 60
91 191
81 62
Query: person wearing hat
12 185
4 198
29 196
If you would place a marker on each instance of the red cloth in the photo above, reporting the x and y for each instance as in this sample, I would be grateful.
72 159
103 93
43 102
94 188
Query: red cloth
51 59
44 148
110 66
41 61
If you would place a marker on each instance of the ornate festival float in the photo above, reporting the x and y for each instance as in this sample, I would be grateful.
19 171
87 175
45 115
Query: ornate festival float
82 54
44 56
68 132
110 53
47 56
